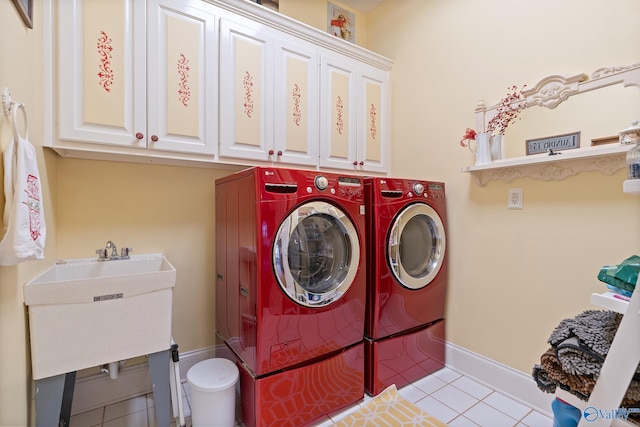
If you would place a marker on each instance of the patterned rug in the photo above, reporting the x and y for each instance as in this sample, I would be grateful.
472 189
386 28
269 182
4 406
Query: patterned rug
389 409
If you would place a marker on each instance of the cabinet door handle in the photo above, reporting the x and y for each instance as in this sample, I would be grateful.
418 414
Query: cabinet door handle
355 163
139 135
361 163
279 153
271 152
154 138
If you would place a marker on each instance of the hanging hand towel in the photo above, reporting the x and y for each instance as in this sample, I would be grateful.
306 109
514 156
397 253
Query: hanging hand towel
25 232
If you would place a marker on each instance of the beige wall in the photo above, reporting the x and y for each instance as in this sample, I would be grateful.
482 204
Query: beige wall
514 274
21 61
151 209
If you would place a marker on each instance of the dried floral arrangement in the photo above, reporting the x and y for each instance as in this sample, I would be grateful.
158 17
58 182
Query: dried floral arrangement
508 110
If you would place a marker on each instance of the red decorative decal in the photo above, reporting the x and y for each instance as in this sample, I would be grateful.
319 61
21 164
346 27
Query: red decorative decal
339 115
184 91
297 113
33 203
373 129
104 51
247 84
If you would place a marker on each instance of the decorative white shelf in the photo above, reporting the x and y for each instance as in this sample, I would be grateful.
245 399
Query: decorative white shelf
549 93
631 186
603 158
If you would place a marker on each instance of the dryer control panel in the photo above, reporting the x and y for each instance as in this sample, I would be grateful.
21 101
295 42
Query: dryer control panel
393 188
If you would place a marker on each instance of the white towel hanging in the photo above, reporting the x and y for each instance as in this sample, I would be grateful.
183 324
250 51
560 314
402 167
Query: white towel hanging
24 229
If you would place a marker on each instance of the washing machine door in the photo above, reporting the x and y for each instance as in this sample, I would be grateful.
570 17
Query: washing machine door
416 245
316 254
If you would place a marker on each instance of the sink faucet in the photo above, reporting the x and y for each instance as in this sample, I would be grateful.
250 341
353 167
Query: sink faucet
114 250
104 255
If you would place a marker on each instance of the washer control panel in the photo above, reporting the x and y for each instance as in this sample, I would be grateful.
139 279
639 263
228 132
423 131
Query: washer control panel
321 182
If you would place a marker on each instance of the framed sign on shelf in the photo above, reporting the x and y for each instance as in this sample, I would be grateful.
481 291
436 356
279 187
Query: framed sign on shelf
25 8
551 144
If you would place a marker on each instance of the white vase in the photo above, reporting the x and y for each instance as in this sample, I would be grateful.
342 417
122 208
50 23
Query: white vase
496 148
483 150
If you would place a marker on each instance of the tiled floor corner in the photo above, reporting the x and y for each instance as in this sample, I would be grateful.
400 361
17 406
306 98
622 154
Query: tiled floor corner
460 401
449 396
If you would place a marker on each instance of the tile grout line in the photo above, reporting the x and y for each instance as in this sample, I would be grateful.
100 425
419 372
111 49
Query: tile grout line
530 410
478 401
493 391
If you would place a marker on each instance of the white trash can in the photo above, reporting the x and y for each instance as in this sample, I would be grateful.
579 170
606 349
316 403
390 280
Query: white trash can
213 393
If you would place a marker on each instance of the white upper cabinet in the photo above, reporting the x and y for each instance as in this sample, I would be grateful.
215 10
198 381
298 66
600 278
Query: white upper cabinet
268 94
182 76
338 124
296 109
212 82
373 119
354 115
102 71
246 90
138 74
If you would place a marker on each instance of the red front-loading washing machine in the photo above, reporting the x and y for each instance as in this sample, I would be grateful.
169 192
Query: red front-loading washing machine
407 280
291 290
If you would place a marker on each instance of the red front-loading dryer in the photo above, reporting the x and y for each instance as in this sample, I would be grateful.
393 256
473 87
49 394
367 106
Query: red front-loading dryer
291 290
407 280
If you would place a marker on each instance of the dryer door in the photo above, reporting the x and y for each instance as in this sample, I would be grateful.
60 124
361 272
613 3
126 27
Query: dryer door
316 254
416 245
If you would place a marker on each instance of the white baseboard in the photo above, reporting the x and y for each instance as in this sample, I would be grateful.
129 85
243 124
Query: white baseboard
100 390
497 376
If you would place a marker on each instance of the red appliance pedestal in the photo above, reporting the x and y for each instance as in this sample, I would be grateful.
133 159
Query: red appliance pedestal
403 359
300 396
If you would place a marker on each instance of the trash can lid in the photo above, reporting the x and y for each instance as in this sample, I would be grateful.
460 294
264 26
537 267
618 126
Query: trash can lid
213 375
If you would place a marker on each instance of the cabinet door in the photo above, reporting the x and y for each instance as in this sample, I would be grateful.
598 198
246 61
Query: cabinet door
101 71
338 113
373 132
296 112
246 90
182 76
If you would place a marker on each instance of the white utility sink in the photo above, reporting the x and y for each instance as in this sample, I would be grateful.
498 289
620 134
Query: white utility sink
84 312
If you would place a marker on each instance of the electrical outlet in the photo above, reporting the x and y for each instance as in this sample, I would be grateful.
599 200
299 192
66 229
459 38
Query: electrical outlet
514 200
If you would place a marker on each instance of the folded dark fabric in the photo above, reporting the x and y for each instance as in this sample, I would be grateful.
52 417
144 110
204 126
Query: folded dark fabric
578 349
581 385
578 359
581 353
594 328
542 379
578 385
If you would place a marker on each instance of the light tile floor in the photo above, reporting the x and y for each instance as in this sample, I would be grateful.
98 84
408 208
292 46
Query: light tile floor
447 395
